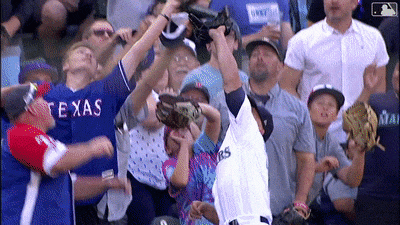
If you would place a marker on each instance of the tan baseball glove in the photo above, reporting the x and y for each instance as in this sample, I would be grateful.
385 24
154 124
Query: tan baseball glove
361 123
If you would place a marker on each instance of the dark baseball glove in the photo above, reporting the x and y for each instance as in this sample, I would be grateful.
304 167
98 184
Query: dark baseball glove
291 216
361 123
176 111
203 25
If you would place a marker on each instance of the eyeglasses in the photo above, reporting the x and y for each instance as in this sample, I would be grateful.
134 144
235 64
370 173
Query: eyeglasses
102 32
182 58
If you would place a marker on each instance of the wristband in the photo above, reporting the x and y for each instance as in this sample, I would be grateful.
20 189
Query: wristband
165 16
300 204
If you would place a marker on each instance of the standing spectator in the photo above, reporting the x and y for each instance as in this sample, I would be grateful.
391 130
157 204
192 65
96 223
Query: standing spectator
143 149
37 185
390 32
84 109
324 103
351 47
101 35
183 61
290 149
190 171
378 195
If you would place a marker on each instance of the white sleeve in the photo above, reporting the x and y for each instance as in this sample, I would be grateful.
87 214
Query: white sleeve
53 154
295 55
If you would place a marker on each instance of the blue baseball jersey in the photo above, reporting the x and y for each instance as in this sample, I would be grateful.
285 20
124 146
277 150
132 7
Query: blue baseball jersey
87 113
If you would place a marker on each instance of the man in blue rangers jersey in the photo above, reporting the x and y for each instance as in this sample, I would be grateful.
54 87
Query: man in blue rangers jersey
84 109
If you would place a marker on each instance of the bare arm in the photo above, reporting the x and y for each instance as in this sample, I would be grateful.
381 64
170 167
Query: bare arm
150 80
79 154
305 175
287 33
213 125
226 61
138 51
110 62
289 79
180 177
89 187
353 174
374 82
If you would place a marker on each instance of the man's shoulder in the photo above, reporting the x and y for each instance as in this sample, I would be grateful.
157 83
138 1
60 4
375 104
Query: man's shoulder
365 28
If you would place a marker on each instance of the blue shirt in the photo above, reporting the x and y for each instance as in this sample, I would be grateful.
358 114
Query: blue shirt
87 113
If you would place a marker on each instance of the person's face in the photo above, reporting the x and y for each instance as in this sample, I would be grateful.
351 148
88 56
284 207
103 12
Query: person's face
258 120
395 78
337 10
38 75
43 112
323 110
199 97
264 63
182 62
81 59
101 32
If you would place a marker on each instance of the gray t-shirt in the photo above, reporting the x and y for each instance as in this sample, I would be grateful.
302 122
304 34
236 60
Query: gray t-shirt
292 132
329 146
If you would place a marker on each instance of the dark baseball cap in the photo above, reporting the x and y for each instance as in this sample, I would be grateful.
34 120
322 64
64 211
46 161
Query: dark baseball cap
36 65
265 116
264 41
21 97
196 86
326 89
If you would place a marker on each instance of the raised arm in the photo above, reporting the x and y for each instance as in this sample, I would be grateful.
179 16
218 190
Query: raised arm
213 124
180 177
226 61
150 80
138 51
353 174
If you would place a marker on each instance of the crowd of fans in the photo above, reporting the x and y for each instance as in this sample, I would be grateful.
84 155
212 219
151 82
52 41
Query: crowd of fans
287 70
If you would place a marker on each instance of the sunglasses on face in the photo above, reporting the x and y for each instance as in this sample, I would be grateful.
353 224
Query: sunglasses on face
102 32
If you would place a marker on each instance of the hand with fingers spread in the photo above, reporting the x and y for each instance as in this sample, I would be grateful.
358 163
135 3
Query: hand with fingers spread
371 78
326 164
101 146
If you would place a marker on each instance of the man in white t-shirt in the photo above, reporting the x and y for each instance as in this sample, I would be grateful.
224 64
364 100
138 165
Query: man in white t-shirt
335 50
241 187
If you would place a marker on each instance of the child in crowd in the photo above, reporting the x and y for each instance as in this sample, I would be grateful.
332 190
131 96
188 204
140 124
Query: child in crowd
190 171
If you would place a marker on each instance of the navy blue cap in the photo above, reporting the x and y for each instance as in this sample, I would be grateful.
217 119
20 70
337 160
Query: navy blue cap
196 86
326 89
265 116
35 65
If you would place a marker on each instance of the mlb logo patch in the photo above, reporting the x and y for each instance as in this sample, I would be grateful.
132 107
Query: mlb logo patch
384 9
